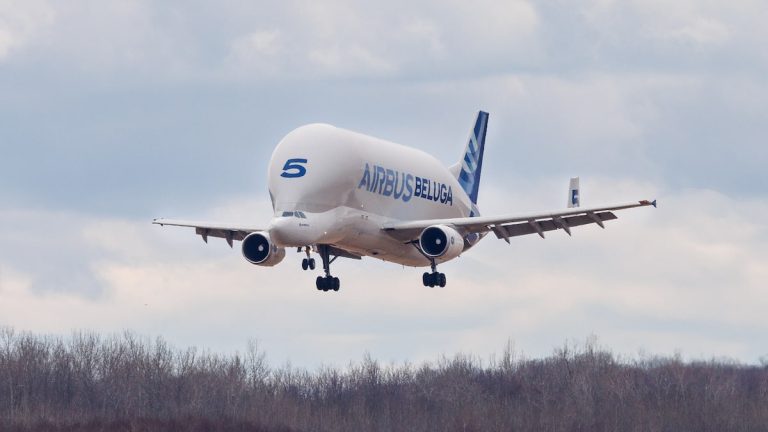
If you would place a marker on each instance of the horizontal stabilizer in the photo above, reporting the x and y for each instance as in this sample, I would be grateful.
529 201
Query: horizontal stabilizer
573 193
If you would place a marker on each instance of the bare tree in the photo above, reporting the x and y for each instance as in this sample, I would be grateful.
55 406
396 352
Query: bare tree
126 382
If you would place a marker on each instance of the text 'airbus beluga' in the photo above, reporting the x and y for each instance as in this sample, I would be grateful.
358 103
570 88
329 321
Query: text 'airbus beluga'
339 193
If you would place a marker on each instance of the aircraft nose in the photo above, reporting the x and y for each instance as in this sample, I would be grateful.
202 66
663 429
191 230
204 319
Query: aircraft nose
280 230
292 231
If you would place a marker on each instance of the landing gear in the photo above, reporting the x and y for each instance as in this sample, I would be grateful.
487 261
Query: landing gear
327 282
435 278
307 263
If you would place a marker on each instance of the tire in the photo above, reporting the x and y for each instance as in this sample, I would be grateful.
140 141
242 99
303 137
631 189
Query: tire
319 282
304 264
425 279
336 284
441 280
311 263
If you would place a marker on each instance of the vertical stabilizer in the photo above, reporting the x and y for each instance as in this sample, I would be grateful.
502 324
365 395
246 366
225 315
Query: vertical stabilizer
573 193
472 164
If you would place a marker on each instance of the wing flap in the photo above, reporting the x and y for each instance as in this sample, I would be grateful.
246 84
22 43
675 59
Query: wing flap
229 235
524 228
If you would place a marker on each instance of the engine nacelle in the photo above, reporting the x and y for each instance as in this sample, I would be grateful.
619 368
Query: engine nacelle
441 241
258 249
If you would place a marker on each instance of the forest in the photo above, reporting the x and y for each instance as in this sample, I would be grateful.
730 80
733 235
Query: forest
124 382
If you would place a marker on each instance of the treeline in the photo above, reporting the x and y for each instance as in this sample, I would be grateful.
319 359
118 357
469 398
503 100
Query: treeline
119 383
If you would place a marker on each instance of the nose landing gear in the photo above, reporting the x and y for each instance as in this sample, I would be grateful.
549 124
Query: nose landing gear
307 263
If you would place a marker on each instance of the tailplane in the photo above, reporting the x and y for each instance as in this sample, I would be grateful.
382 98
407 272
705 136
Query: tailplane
472 165
573 193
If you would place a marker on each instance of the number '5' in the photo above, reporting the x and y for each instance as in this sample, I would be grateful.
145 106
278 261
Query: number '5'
294 168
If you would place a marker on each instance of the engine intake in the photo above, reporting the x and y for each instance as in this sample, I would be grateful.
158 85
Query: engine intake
258 249
441 241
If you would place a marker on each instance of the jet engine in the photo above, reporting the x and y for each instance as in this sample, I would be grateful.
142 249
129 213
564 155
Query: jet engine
258 249
441 241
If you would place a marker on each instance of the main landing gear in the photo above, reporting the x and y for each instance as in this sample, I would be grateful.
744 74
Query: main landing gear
431 279
327 282
435 278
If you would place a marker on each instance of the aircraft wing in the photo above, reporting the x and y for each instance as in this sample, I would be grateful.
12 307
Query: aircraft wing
230 232
516 225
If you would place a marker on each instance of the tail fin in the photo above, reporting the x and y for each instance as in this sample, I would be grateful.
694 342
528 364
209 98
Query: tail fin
472 164
573 193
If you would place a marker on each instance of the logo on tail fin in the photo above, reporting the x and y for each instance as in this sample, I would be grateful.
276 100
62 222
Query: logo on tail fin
573 195
472 164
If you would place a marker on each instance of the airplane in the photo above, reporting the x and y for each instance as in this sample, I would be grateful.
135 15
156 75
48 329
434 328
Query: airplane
343 194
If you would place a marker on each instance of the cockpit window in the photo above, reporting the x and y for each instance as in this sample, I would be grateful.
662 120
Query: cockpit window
296 214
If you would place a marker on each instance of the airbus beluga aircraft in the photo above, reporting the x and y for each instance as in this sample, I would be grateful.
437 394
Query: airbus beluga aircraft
339 193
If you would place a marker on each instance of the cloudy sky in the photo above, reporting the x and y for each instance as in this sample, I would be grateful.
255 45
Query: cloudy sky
116 112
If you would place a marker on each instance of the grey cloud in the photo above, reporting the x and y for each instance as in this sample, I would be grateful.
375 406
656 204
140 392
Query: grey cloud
193 42
685 36
48 249
117 107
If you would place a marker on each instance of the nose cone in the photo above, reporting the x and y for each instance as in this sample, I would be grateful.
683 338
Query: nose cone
292 232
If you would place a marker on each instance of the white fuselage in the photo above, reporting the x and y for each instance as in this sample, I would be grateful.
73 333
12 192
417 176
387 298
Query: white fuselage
348 185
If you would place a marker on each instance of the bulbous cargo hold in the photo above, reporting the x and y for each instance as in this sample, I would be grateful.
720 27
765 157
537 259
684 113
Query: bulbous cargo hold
258 249
318 168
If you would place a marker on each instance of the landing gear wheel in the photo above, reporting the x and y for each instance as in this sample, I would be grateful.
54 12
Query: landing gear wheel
304 264
327 282
433 279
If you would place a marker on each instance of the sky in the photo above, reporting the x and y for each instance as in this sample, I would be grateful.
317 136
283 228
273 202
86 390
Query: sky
115 112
